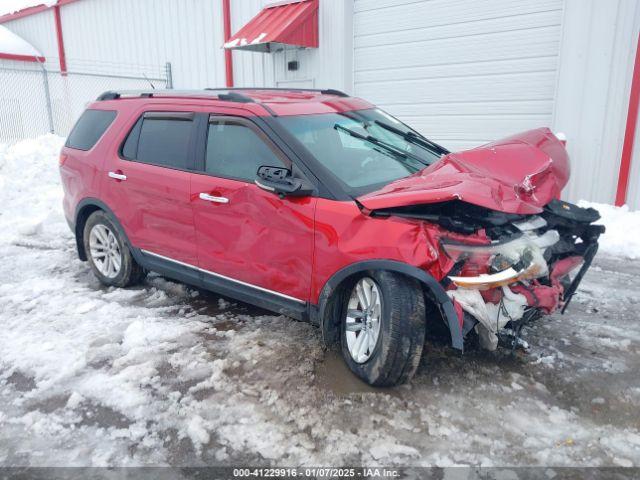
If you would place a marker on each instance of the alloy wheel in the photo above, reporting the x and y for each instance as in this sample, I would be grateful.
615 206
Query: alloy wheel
105 250
362 324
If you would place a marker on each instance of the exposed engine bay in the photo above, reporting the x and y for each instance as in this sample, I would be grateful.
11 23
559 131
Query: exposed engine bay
508 269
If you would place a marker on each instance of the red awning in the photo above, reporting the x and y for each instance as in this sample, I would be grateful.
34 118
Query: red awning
279 26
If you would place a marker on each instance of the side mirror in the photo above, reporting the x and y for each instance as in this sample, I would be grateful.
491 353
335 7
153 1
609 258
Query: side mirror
280 181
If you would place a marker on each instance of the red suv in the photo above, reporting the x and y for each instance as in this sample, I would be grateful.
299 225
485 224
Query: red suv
322 207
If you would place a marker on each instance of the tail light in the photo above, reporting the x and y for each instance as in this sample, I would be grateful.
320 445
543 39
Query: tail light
62 159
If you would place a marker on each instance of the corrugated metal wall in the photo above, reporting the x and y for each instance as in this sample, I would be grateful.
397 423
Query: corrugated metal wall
596 67
462 73
135 37
187 33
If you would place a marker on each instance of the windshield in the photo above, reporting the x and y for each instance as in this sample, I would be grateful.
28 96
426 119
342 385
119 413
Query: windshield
363 149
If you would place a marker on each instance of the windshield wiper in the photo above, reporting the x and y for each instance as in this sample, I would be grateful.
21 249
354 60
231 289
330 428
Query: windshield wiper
387 147
414 138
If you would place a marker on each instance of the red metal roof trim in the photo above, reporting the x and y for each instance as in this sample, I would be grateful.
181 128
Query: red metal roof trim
278 26
25 12
629 133
21 58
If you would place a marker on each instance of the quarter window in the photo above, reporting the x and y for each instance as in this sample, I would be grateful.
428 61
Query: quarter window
234 150
89 128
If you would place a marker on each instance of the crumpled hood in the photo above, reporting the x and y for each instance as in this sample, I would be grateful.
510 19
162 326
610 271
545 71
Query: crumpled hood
519 174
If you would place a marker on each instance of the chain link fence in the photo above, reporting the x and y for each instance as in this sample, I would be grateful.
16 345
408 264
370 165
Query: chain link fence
34 101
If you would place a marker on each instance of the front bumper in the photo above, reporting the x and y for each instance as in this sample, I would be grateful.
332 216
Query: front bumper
497 303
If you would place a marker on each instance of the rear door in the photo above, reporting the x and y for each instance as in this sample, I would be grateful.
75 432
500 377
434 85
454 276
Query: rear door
246 236
148 185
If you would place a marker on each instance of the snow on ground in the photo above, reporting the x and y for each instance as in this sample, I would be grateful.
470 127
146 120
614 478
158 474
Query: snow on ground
166 374
623 229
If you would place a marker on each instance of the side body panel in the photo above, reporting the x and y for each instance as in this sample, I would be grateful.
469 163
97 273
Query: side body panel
81 172
153 207
344 236
153 203
256 237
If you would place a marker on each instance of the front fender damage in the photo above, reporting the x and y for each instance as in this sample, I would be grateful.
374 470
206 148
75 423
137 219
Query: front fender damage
504 270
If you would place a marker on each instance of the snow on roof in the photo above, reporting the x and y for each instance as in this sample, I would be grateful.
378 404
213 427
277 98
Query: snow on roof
12 6
12 45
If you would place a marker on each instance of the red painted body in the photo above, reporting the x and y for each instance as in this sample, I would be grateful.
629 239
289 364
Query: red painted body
293 245
257 237
519 174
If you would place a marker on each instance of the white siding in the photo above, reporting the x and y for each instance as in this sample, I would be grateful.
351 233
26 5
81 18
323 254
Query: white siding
463 73
141 36
39 30
596 65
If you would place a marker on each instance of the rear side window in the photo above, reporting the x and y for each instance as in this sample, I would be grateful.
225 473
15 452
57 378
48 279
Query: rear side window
89 128
236 151
161 139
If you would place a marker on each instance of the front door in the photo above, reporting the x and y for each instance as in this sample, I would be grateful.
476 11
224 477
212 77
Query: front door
247 236
147 185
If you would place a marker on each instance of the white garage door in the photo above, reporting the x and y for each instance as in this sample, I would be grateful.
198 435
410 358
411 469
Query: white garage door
461 72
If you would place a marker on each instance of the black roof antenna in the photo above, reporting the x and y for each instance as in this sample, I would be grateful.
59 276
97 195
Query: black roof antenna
145 76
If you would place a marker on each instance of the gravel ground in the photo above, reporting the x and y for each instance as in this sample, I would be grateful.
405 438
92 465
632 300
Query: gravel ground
163 374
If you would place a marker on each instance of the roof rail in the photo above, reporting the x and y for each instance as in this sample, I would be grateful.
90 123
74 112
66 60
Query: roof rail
223 94
235 97
328 91
109 95
331 91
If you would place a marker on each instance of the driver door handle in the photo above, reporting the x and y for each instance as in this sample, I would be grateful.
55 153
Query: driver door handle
117 176
212 198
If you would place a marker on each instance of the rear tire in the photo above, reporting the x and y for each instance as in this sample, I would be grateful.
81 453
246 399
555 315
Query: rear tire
392 356
108 253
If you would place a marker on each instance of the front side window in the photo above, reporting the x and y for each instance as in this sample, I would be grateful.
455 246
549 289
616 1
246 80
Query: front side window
363 149
234 150
161 139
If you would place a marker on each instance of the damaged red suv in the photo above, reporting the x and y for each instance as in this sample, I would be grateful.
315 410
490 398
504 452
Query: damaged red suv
321 207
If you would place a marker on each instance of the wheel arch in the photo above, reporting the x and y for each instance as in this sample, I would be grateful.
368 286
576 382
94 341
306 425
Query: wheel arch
329 300
83 211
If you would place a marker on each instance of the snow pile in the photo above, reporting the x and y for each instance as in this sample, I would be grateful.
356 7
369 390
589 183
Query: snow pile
12 44
30 191
622 237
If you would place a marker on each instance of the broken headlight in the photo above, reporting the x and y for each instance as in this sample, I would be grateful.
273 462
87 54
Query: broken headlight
504 263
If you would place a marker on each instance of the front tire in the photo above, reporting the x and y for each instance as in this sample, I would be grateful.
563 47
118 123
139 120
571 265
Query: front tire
108 253
383 328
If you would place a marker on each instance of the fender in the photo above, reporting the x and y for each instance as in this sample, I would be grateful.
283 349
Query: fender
326 308
94 202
